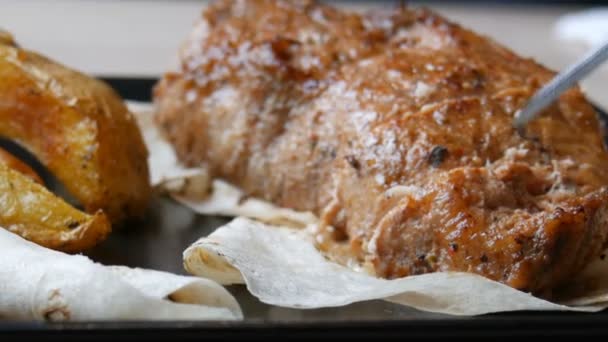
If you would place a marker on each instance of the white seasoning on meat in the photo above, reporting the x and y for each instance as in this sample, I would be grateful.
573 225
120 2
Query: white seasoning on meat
422 89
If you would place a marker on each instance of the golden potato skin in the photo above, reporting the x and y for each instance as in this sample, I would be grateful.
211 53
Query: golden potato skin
18 165
31 211
79 128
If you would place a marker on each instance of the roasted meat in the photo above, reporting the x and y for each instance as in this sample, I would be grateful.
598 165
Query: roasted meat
395 128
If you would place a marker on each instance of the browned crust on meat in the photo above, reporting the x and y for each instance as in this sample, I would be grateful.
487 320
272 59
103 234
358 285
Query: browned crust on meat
395 128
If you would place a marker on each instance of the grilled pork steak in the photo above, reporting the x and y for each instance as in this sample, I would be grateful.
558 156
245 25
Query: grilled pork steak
395 128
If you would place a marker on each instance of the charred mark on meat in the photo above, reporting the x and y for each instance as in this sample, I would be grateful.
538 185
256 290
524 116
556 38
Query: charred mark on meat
437 155
352 161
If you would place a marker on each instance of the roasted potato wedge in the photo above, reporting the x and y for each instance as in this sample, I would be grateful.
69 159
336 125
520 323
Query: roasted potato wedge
30 210
17 165
80 129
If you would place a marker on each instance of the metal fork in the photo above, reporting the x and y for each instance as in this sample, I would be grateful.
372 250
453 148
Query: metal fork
562 82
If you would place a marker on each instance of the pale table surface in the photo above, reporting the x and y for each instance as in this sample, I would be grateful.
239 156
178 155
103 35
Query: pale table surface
140 37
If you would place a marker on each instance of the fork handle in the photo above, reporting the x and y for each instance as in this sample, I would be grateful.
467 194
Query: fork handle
562 82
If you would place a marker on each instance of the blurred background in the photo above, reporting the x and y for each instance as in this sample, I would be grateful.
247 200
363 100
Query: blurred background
139 38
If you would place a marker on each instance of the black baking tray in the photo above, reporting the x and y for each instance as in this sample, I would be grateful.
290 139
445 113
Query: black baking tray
158 241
